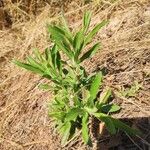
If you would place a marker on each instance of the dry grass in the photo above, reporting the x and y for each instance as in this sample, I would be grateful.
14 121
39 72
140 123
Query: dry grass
125 55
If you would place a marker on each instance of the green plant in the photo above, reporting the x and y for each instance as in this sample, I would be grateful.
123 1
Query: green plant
131 91
76 94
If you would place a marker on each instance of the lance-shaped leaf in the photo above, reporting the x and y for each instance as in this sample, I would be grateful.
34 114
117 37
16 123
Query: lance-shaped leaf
86 20
94 31
56 32
78 40
54 55
28 67
96 84
35 64
48 56
59 33
90 53
63 47
65 25
65 131
85 132
66 29
61 39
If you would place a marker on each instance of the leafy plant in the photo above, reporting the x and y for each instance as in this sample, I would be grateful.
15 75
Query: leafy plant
76 94
131 91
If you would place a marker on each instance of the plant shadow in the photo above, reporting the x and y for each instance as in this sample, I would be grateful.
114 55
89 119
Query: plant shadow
122 141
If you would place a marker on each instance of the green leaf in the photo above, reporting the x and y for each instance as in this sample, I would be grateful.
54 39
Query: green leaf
28 67
108 122
73 114
77 101
56 59
94 31
56 32
35 64
78 40
91 52
85 134
65 131
86 20
105 95
90 110
59 34
65 25
62 47
109 108
57 115
97 82
48 56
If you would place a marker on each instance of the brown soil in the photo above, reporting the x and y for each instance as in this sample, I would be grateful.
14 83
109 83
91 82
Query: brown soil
125 57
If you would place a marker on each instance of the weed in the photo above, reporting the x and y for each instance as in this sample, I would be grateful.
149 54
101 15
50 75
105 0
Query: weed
131 91
76 94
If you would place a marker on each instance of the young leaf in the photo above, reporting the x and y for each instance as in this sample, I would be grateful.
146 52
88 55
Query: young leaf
48 56
86 20
28 67
78 40
65 25
94 31
65 131
56 32
97 82
85 134
62 47
91 52
35 64
105 95
54 55
59 34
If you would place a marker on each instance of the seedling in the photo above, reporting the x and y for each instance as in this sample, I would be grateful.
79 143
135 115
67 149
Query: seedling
131 91
76 94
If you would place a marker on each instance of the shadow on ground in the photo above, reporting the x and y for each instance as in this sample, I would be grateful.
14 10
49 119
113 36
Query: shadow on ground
122 141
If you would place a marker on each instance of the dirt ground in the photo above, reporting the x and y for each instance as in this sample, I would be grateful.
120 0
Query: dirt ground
124 56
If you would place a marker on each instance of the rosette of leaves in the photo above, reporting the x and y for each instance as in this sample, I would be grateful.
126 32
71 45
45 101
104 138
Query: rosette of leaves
76 94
